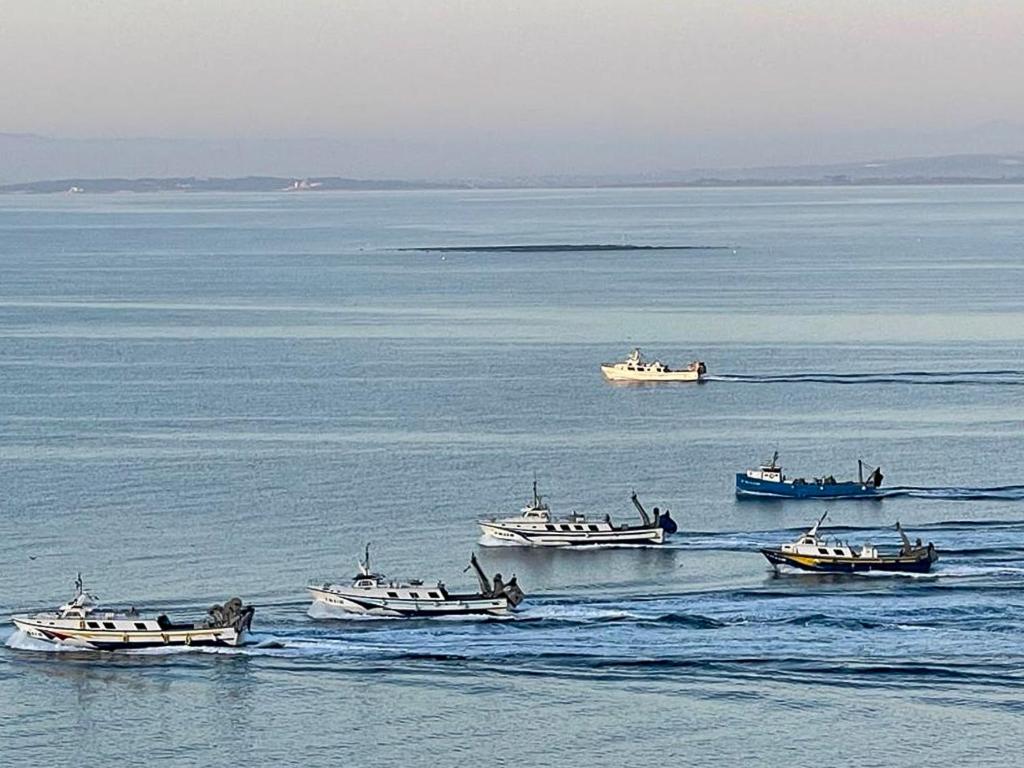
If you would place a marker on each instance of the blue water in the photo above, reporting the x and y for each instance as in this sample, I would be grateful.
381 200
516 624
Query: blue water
203 396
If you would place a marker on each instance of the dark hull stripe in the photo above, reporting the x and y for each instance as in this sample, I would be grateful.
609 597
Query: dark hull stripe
746 486
922 565
454 611
553 537
113 645
103 646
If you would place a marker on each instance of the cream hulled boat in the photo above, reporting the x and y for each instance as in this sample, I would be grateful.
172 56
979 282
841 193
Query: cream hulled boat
377 595
81 623
635 368
536 527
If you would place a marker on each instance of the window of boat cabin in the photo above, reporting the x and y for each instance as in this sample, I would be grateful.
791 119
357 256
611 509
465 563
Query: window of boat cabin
109 625
550 527
139 625
392 594
433 595
93 625
822 551
592 527
414 594
564 527
838 551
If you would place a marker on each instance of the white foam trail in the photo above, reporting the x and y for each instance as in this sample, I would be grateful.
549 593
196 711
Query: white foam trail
980 570
22 641
577 613
490 541
321 610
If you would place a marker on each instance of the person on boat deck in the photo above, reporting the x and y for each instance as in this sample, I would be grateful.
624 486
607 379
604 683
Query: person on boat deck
499 586
657 516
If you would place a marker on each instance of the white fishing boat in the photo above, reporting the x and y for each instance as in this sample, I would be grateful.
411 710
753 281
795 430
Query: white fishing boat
377 595
81 623
536 527
635 368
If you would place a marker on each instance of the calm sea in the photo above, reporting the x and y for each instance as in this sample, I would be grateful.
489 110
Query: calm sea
203 396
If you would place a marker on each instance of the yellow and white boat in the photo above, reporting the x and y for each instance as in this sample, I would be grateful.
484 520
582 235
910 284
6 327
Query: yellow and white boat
812 552
82 624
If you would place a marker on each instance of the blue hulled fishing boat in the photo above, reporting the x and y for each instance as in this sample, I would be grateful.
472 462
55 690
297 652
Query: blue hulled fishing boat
769 480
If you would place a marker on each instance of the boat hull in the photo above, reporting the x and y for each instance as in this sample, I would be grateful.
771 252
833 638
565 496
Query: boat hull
893 564
751 487
114 640
540 537
354 601
614 374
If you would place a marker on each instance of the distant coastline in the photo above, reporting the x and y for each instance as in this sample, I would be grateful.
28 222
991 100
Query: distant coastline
285 185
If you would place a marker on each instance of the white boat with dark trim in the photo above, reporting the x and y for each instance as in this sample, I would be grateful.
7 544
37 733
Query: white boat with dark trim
635 368
536 527
83 624
377 595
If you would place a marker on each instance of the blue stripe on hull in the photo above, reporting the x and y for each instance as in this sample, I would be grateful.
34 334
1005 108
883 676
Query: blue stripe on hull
746 486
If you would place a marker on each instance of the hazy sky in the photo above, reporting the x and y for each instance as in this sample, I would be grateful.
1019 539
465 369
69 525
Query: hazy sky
593 85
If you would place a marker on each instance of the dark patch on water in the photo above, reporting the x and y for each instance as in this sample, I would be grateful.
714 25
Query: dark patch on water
559 248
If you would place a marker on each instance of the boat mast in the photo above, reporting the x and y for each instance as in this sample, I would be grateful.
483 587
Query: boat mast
485 583
907 546
641 510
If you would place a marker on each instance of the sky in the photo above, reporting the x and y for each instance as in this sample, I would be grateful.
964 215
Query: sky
445 88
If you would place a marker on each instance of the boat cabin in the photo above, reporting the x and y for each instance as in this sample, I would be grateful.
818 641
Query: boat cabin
810 544
769 471
533 515
769 474
635 362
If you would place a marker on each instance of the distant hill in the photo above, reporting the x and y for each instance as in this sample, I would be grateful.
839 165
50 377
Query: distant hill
1004 170
995 167
38 164
193 184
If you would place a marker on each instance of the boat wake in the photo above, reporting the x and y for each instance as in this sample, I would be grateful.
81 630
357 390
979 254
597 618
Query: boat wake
21 641
1004 377
957 493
